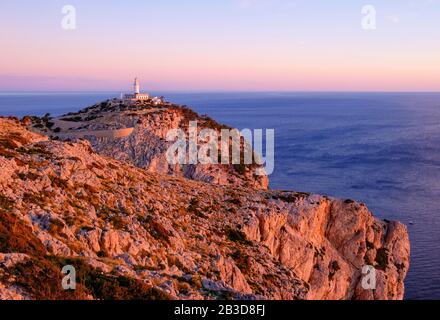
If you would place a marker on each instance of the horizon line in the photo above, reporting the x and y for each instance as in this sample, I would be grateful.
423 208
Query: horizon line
215 91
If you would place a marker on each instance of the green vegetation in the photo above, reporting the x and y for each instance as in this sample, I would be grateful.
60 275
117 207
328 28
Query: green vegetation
290 197
155 229
111 287
42 279
382 259
40 275
73 119
57 182
194 208
39 150
27 176
5 202
15 236
237 236
241 260
9 143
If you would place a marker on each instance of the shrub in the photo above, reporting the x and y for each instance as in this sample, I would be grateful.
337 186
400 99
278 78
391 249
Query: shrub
16 237
290 197
194 208
382 259
107 287
41 278
155 228
35 150
58 182
72 119
111 287
5 202
235 201
237 236
28 176
8 143
118 222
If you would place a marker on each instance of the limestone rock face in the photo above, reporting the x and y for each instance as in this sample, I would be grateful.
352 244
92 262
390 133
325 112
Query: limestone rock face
62 203
11 292
146 144
327 242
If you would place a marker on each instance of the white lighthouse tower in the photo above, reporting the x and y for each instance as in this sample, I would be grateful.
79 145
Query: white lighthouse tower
137 87
137 95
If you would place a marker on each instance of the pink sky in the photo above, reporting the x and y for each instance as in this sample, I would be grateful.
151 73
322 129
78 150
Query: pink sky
243 46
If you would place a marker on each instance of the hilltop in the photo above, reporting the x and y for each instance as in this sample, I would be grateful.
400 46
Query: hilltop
136 133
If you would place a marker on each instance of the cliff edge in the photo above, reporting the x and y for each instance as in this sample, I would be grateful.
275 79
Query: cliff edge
137 134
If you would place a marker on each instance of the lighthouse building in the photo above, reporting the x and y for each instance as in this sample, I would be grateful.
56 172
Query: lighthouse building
136 95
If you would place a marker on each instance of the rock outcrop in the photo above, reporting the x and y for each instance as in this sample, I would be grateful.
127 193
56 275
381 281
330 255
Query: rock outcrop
137 134
133 231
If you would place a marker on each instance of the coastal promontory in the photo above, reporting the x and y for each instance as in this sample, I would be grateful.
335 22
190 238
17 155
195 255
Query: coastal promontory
93 190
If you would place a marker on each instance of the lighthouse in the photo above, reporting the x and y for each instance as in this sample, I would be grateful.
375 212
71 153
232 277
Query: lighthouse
137 87
136 96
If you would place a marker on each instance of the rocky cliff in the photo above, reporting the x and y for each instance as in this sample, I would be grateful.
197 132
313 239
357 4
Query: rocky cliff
135 229
137 134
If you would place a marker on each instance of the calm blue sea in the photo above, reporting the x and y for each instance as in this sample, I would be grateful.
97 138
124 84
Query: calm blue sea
380 149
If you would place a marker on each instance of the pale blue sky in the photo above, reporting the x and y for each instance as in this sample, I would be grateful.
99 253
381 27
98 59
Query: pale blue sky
221 45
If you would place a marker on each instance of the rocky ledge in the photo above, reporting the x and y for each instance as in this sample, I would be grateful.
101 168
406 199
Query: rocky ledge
135 231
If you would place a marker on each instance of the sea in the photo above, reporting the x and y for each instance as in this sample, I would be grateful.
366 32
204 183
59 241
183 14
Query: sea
382 149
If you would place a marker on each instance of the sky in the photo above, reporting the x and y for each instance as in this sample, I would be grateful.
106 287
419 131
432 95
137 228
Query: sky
220 45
